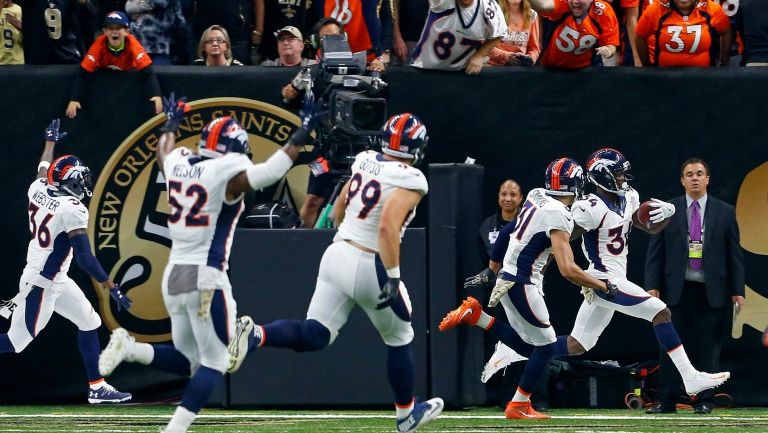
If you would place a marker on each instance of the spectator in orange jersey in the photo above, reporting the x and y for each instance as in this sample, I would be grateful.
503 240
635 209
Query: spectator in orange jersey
682 29
520 46
581 32
115 50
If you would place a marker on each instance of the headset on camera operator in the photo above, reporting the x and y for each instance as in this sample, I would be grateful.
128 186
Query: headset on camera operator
338 69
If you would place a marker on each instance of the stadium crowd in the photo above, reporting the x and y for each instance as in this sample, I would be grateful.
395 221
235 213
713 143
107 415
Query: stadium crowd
553 33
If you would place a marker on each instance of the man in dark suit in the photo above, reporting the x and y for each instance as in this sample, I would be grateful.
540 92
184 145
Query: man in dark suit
696 266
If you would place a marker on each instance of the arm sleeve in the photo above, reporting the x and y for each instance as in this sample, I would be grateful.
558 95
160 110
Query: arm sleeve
268 172
78 88
151 78
502 242
610 33
582 215
558 219
720 20
85 258
644 26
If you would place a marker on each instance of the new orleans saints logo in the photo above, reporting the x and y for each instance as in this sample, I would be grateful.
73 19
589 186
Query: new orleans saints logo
129 208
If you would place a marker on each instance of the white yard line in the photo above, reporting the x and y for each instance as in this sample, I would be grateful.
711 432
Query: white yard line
369 416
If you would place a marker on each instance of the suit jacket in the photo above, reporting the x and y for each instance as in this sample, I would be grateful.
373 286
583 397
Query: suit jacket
723 261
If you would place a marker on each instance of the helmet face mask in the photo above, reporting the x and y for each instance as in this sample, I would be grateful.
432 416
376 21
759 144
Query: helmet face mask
68 175
221 136
404 136
564 177
603 168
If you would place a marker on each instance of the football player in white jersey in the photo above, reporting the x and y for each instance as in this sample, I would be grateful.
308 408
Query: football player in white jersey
381 199
57 221
543 228
459 34
605 218
205 194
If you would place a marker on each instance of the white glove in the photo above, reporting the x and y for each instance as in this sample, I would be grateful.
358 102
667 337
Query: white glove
589 294
500 289
662 210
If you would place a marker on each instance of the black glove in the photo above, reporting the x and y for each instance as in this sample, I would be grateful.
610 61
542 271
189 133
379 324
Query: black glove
174 113
612 291
485 280
389 293
121 300
52 132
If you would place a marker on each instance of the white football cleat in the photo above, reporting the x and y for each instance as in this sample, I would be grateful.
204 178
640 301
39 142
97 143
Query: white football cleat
422 414
238 346
502 356
701 381
119 349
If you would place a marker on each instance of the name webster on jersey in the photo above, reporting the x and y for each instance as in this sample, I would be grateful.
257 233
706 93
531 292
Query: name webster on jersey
45 201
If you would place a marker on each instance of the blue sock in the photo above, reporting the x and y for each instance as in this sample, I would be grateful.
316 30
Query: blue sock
400 372
508 336
534 367
5 344
88 341
167 358
667 335
299 335
561 346
200 388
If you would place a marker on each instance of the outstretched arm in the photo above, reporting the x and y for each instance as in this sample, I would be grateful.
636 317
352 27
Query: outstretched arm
52 136
561 248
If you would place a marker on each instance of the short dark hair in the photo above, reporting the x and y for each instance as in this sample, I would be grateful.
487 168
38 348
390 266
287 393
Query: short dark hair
694 160
513 181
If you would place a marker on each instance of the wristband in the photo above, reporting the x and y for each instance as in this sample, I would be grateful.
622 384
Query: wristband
43 165
394 272
257 33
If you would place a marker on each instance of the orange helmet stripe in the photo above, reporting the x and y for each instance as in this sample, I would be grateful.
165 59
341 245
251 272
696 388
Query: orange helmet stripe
555 180
394 141
213 135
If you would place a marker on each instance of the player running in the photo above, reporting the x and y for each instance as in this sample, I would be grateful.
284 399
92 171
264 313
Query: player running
362 267
205 193
57 221
543 228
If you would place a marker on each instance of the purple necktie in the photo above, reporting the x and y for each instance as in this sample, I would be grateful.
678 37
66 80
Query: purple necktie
694 231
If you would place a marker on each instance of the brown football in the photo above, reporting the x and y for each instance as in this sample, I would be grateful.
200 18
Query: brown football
644 216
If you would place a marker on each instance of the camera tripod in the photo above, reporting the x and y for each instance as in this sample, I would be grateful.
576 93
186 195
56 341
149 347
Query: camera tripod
324 221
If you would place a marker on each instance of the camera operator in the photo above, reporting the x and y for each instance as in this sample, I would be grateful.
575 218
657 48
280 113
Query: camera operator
321 179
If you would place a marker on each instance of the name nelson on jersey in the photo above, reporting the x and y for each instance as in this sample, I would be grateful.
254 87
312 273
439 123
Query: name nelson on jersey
45 201
191 172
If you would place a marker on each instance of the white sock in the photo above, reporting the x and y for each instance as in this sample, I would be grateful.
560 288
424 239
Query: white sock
97 384
181 419
403 411
521 395
143 353
683 364
485 320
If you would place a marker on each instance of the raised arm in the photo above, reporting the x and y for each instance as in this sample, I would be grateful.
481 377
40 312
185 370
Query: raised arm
52 136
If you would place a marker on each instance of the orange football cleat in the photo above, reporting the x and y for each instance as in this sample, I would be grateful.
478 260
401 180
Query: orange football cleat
467 314
522 410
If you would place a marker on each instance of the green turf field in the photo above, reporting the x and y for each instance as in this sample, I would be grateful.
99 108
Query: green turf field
128 419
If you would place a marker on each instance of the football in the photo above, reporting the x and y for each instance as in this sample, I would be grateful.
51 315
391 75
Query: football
644 217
